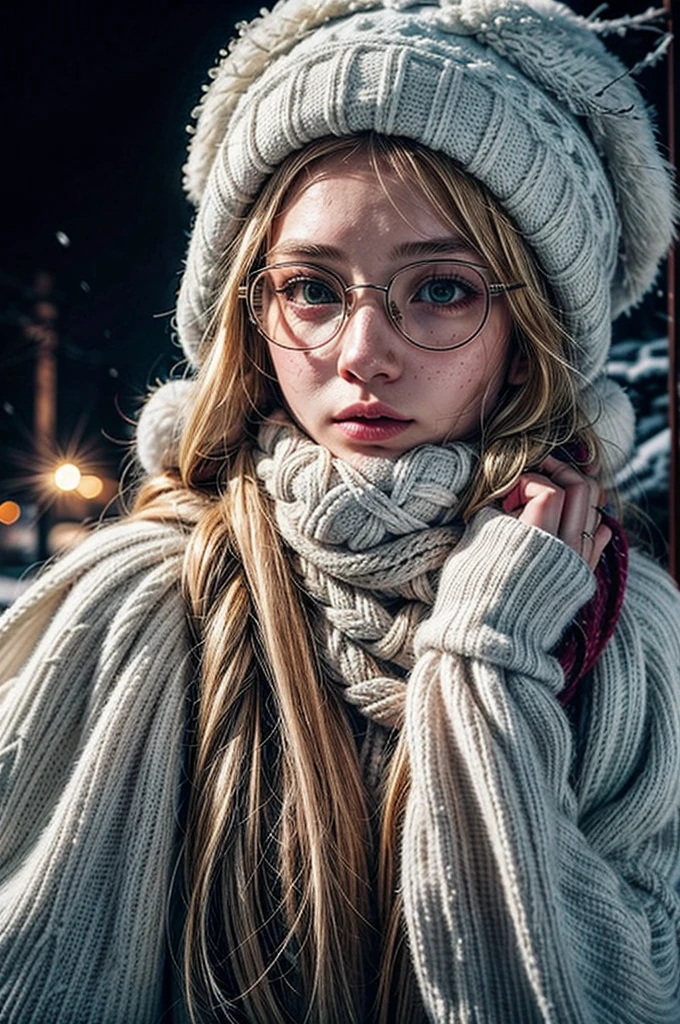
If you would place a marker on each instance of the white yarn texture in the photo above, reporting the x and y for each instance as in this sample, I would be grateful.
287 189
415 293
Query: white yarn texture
365 536
540 864
523 95
159 427
95 668
540 857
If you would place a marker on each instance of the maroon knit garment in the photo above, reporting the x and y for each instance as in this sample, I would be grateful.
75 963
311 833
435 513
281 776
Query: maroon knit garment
591 629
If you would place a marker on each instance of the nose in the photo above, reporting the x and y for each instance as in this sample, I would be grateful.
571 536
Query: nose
368 342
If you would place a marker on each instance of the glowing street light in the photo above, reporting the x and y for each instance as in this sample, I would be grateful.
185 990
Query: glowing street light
67 476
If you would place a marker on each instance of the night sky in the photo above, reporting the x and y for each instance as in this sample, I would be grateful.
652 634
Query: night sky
95 100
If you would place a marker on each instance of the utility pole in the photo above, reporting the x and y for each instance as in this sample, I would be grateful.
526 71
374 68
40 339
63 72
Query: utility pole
41 331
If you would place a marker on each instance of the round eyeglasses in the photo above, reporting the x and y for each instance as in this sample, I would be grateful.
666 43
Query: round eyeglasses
434 304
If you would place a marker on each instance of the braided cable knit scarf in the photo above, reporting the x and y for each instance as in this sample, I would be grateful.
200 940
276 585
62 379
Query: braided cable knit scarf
524 899
371 540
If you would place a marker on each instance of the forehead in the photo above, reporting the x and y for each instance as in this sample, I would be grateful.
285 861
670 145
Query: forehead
349 193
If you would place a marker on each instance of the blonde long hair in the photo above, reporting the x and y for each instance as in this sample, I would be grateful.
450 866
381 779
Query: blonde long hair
281 923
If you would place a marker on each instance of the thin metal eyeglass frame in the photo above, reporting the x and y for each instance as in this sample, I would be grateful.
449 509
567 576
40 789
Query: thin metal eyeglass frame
492 290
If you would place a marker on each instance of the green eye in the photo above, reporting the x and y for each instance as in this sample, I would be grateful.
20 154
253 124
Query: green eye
443 291
308 291
316 293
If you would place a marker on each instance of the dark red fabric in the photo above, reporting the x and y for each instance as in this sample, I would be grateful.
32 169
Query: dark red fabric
590 631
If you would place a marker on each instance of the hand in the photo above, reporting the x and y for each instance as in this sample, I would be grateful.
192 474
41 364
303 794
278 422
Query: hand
565 502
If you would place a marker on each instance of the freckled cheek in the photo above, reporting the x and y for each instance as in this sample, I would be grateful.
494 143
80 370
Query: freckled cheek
481 364
457 374
297 374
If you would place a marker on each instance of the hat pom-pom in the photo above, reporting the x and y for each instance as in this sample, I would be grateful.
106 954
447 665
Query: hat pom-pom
160 425
613 419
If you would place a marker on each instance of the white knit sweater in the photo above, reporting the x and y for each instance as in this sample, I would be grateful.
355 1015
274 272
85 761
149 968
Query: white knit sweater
541 858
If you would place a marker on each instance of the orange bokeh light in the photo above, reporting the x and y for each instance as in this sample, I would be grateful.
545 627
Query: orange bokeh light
90 486
9 513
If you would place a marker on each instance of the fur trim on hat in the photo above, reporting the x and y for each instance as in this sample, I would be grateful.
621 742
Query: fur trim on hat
558 50
523 95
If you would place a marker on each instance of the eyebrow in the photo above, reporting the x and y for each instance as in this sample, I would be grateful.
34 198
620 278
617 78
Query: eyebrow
409 250
310 249
431 247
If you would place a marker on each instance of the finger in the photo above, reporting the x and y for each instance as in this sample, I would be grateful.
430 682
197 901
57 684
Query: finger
563 503
598 512
555 468
567 475
512 503
579 514
537 501
593 545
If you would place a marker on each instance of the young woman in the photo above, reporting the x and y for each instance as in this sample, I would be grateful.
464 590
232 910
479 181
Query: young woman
366 713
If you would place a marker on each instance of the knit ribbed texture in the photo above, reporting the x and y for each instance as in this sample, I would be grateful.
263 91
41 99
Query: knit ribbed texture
582 645
524 900
540 857
366 535
90 747
522 95
540 868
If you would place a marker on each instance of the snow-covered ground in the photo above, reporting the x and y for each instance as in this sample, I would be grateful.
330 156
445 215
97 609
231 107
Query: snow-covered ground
642 370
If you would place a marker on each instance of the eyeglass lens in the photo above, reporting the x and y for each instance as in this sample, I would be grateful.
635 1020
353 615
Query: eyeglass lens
436 305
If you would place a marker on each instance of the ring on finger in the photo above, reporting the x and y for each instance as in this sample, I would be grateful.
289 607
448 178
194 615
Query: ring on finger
588 536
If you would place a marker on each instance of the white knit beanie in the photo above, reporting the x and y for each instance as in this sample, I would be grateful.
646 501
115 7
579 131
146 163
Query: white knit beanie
522 94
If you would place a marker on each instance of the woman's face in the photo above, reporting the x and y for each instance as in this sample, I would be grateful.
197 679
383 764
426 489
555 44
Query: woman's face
369 391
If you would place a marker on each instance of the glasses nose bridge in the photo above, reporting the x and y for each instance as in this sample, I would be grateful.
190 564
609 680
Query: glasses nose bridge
349 290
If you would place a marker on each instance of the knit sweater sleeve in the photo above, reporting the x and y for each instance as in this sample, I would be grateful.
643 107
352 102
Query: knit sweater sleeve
541 859
96 661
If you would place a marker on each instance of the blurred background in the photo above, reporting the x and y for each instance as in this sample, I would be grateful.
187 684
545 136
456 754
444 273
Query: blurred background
96 99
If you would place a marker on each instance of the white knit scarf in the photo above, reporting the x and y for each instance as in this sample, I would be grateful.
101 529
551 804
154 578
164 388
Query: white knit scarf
371 538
